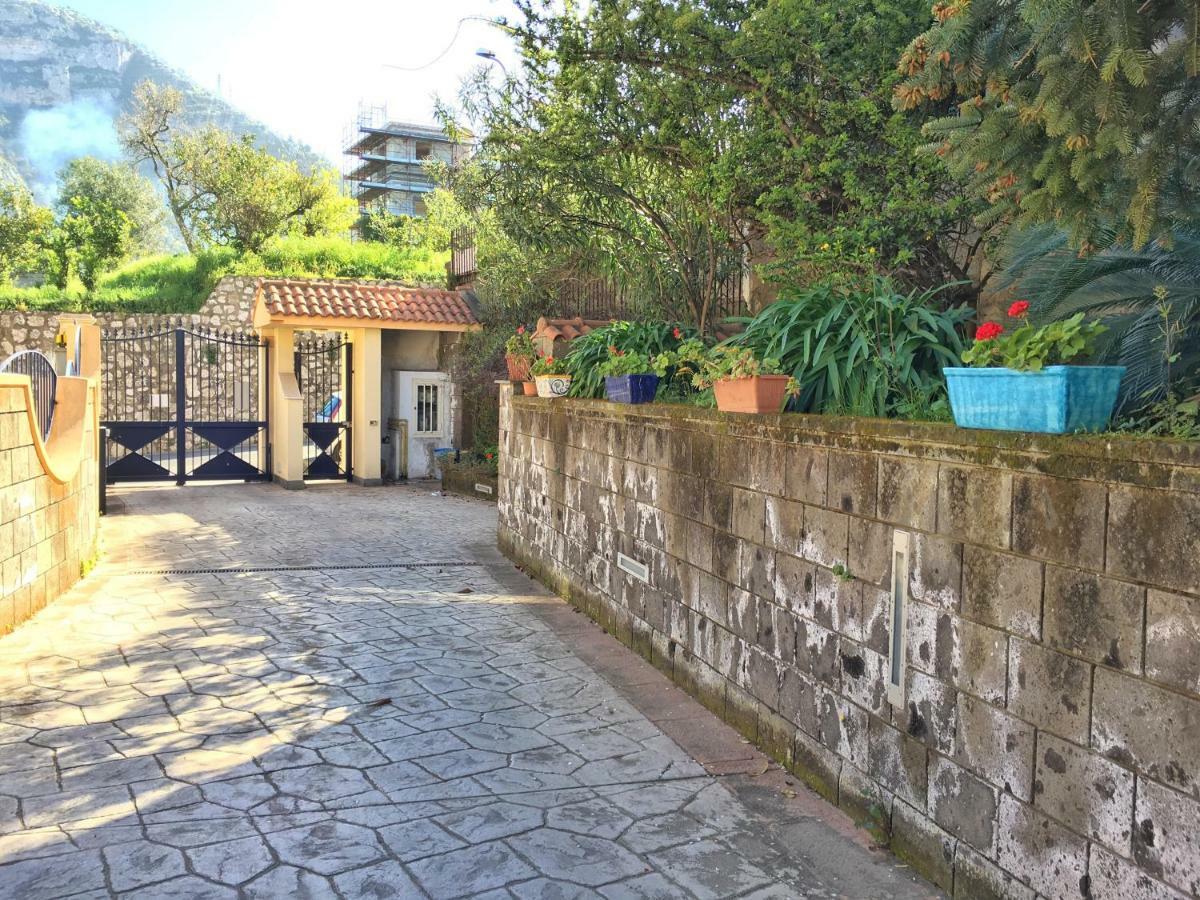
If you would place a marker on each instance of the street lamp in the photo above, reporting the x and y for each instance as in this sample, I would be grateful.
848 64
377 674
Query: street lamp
484 53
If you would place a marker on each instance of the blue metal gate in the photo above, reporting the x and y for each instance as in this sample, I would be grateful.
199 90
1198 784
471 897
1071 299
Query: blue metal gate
323 374
184 404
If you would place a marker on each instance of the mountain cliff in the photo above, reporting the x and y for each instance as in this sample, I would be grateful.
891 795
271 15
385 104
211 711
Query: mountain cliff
64 81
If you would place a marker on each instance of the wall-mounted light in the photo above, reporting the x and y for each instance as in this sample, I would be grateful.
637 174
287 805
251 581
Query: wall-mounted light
898 618
631 566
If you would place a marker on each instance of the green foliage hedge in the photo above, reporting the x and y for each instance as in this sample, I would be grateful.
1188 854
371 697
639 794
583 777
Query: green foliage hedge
181 283
864 350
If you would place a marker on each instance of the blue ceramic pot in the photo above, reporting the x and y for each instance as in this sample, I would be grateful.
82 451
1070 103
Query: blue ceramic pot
631 388
1056 400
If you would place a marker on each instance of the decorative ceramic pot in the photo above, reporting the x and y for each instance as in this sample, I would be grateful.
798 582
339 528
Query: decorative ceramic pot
757 394
518 367
1055 400
530 388
631 388
553 385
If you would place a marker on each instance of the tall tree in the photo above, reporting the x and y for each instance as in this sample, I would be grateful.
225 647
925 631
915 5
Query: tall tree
149 134
23 227
245 196
94 236
1083 113
119 186
670 136
223 188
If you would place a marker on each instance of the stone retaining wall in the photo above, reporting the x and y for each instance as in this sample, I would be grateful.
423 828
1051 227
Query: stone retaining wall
467 481
136 380
230 305
1047 743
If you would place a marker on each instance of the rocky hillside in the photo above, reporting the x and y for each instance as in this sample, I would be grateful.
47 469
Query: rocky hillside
64 80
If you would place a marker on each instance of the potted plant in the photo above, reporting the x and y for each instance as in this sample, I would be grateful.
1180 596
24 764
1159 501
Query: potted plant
628 376
519 354
742 382
551 376
1019 380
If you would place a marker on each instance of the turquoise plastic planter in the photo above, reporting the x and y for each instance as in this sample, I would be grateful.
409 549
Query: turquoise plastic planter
1056 400
631 388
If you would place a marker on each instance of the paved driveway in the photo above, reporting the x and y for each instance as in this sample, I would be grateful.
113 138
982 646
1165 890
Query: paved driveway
347 692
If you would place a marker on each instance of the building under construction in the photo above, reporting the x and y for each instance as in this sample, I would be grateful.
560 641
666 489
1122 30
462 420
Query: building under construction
387 162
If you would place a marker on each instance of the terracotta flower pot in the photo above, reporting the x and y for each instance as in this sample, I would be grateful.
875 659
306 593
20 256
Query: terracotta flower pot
530 388
518 367
759 394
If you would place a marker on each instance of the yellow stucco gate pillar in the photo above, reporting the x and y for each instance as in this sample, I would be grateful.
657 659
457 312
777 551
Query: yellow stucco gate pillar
286 426
366 404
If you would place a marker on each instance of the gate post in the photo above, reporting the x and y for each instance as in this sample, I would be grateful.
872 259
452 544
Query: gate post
366 384
286 424
180 408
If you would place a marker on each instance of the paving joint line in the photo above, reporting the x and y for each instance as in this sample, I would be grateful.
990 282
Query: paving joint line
239 815
249 570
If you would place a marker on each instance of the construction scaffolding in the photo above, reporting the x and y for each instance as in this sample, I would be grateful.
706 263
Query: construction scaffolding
386 163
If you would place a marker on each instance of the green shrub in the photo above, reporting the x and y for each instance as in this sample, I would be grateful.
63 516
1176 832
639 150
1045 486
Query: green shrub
590 351
1141 295
626 362
868 351
181 283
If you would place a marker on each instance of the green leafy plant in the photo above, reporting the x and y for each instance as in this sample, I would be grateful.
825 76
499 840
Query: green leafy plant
1170 415
591 350
865 350
1029 347
549 365
520 344
1127 290
725 363
625 362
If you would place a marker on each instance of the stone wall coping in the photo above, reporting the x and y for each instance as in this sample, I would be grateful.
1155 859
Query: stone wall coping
1146 462
63 450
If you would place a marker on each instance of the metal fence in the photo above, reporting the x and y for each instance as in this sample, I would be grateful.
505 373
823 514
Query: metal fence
42 379
592 296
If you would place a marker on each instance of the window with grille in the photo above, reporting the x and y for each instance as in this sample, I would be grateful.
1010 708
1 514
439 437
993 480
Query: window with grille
428 398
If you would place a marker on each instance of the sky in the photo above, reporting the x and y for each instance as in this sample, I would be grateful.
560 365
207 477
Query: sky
303 66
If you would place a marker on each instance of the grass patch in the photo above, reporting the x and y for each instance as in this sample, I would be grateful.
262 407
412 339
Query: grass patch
181 283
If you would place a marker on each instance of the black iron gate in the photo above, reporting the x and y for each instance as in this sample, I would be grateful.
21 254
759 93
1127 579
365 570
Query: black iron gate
323 373
184 404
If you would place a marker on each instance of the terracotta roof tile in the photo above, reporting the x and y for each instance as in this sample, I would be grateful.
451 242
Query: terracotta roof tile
566 329
372 300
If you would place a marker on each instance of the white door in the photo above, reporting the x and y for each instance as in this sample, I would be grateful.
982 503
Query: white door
423 400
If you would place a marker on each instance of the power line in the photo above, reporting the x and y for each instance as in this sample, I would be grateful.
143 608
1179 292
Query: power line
449 46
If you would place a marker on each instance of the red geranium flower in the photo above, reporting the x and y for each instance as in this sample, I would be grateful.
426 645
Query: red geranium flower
988 331
1018 309
520 329
677 334
487 456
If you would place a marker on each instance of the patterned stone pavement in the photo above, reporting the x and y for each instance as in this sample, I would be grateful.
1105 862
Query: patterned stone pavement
313 727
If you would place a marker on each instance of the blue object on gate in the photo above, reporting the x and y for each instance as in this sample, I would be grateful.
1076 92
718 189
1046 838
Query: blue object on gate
1055 400
631 388
330 410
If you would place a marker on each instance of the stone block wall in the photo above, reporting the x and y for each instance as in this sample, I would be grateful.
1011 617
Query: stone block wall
1048 739
48 528
230 305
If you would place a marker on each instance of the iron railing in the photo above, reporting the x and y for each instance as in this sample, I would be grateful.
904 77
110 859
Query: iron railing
592 296
42 379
